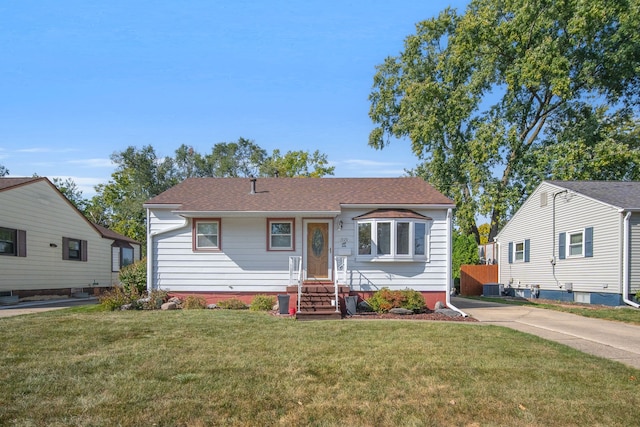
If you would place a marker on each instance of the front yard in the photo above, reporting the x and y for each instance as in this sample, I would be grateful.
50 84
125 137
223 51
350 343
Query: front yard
221 367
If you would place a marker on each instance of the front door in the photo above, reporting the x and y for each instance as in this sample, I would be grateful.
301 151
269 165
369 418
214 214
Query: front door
317 250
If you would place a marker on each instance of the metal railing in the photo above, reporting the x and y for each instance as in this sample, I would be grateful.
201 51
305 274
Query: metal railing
295 276
340 276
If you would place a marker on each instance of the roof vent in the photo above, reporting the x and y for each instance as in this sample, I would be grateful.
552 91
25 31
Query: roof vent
253 185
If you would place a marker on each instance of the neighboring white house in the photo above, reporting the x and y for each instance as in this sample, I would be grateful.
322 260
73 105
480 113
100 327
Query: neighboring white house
48 246
240 237
574 241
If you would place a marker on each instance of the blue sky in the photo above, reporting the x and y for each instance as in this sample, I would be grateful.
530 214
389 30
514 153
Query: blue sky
80 80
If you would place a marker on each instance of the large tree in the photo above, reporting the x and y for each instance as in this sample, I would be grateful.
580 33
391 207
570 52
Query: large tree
296 164
478 93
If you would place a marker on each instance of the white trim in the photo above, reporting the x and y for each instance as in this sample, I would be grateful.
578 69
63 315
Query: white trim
396 206
257 214
626 261
567 248
393 256
515 251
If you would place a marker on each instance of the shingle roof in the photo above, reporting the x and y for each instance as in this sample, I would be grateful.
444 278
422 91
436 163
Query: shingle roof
14 182
621 194
297 194
110 234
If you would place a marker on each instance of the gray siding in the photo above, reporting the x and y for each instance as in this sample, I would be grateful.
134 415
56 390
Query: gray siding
534 221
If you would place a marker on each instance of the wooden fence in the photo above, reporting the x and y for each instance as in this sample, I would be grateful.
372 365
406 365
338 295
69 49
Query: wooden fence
472 277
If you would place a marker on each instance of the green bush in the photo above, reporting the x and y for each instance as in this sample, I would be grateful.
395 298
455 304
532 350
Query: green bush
232 304
119 296
134 276
262 303
194 302
385 299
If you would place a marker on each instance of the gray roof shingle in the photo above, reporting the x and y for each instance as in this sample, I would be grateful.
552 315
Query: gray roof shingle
621 194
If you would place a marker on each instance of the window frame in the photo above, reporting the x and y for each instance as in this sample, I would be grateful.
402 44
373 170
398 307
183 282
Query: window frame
516 252
569 245
13 241
376 227
82 249
195 234
292 235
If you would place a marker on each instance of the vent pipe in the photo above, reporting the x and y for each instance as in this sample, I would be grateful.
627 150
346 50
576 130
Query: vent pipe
253 185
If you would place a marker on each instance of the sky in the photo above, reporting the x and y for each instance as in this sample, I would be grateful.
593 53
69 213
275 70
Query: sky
80 80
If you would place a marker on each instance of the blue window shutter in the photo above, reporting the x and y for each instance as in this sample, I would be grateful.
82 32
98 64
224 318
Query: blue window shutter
527 247
510 252
588 242
562 252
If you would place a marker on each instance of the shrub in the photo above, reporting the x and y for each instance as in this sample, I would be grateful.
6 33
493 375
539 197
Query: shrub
134 276
262 303
119 296
194 302
385 299
232 304
155 300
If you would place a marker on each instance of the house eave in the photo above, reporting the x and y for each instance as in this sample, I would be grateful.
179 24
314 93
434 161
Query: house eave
161 205
254 214
396 206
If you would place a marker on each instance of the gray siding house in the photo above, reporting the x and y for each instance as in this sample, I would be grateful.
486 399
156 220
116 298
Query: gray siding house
574 241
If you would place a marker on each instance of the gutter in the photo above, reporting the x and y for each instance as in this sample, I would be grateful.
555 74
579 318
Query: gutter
150 237
449 267
626 285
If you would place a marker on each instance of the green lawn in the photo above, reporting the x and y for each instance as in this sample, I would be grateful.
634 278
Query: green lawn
621 314
84 367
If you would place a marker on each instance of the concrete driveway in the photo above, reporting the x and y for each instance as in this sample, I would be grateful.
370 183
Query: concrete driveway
612 340
40 306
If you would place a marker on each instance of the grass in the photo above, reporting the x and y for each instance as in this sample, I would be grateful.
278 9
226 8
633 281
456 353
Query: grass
624 314
84 367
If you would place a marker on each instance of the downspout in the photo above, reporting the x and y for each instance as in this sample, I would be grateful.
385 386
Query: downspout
150 237
449 277
626 285
553 245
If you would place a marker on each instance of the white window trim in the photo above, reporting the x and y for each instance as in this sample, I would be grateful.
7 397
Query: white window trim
393 256
292 235
568 244
195 234
515 251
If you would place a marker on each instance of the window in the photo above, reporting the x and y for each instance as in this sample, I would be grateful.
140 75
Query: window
392 239
519 251
74 249
206 234
364 238
576 244
126 257
7 241
281 234
13 242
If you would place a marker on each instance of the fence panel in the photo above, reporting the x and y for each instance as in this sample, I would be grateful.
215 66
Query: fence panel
472 277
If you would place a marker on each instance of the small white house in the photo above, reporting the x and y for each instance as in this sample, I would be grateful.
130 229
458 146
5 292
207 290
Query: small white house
48 247
238 237
574 241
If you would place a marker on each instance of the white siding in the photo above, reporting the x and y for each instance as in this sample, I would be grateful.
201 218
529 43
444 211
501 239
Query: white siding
600 273
46 216
245 265
634 255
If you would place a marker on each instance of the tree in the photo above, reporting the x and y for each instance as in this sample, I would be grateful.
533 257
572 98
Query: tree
478 96
465 251
484 230
233 159
140 175
71 191
296 164
3 171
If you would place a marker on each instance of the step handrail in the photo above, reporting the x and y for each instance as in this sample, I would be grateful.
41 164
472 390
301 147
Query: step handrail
340 272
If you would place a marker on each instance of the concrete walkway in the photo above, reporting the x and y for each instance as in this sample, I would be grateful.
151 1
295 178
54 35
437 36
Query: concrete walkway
612 340
40 306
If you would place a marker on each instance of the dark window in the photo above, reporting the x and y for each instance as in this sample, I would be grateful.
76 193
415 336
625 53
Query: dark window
13 242
74 249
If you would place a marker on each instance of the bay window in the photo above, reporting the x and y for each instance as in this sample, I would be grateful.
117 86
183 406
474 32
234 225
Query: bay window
381 239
